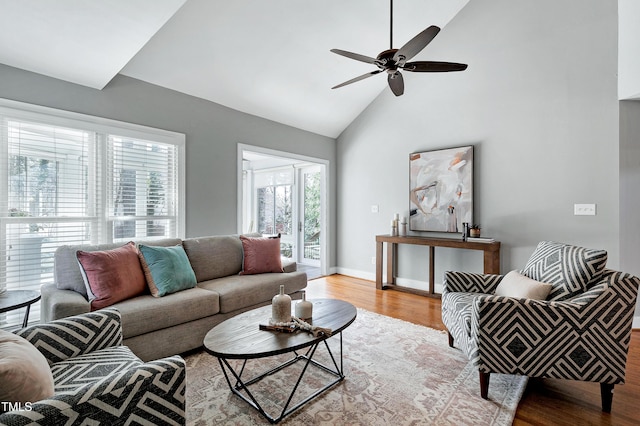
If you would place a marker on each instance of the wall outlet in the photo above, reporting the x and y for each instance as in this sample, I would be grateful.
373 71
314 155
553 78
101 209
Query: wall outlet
375 208
584 209
373 260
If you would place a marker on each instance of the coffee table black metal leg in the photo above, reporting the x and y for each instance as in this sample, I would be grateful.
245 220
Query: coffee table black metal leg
308 356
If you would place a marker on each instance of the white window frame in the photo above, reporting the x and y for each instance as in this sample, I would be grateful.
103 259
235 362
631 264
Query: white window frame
102 127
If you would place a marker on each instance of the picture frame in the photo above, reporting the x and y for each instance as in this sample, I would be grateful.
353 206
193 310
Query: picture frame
441 189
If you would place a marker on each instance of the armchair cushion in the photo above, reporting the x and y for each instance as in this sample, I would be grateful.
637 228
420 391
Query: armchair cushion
517 285
569 269
77 335
73 373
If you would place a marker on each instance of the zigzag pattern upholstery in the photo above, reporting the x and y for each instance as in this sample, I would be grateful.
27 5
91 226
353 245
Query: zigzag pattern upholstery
91 387
585 337
78 335
568 268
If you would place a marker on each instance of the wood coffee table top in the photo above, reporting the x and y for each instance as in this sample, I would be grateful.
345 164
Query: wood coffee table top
239 337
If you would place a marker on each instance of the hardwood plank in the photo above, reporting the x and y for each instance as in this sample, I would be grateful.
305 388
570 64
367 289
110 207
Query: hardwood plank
545 402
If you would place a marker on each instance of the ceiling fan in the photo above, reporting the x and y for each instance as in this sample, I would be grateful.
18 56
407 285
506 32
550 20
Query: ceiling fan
394 60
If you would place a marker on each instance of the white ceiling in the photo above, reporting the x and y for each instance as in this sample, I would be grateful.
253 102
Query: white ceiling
268 58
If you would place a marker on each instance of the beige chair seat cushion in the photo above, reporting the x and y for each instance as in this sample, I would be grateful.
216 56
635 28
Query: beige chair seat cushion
74 372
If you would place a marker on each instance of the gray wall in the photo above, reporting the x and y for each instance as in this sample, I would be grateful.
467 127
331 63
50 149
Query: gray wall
630 190
212 134
538 102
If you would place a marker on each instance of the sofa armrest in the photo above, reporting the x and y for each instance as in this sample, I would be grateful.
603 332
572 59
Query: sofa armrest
56 303
77 335
470 282
151 393
289 265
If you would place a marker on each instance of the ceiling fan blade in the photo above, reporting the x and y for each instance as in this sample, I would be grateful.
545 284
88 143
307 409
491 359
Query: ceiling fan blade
433 66
362 77
355 56
396 83
416 44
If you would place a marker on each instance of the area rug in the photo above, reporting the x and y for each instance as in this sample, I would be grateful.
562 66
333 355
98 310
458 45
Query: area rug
396 373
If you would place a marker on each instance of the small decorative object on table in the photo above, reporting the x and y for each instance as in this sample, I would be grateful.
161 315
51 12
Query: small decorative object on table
474 231
403 227
280 308
304 308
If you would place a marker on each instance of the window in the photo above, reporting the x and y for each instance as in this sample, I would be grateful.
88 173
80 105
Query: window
74 179
274 205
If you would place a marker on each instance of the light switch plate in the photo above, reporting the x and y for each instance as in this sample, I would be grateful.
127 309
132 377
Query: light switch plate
584 209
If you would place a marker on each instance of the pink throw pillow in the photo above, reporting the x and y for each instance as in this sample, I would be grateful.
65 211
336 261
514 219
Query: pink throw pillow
112 275
261 255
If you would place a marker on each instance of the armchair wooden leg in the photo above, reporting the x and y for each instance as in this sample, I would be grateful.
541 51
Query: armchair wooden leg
606 394
484 384
450 339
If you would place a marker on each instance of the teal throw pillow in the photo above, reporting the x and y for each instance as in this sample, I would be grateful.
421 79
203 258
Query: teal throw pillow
167 269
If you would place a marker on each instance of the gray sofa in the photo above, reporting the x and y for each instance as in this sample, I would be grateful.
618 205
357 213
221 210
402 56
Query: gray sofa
158 327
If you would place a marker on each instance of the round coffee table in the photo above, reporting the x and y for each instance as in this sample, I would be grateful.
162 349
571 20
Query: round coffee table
240 337
16 299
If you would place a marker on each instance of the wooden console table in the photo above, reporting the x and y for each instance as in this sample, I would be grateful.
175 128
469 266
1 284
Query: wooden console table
491 258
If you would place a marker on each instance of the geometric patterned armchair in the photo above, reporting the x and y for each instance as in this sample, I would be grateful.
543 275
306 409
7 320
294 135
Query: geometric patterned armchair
581 331
97 380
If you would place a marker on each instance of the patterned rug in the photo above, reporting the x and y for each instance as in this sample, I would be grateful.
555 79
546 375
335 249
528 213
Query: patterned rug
395 373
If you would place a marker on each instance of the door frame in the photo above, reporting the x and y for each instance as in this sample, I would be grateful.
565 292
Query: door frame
324 198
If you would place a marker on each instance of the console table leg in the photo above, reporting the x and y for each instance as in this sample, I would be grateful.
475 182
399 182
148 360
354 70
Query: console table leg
379 250
432 271
392 256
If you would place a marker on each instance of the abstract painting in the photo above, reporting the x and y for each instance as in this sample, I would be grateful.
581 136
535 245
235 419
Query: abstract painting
441 189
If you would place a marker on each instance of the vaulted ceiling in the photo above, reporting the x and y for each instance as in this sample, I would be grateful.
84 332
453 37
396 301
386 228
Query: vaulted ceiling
268 58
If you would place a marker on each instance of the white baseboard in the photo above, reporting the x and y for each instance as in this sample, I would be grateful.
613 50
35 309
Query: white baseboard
422 285
636 322
355 273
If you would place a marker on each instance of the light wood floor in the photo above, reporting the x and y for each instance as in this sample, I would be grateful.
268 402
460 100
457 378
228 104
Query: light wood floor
545 402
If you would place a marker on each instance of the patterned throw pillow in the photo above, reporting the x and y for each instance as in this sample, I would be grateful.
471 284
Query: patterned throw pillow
570 269
167 269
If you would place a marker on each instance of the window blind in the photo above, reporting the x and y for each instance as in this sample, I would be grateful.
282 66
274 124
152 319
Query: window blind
75 181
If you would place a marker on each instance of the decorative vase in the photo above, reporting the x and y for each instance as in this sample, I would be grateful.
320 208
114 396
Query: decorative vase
474 232
304 308
281 307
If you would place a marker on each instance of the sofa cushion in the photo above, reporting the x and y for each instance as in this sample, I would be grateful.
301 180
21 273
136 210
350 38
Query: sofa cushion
167 269
214 257
66 273
112 275
240 291
260 255
569 269
24 372
70 374
517 285
146 313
